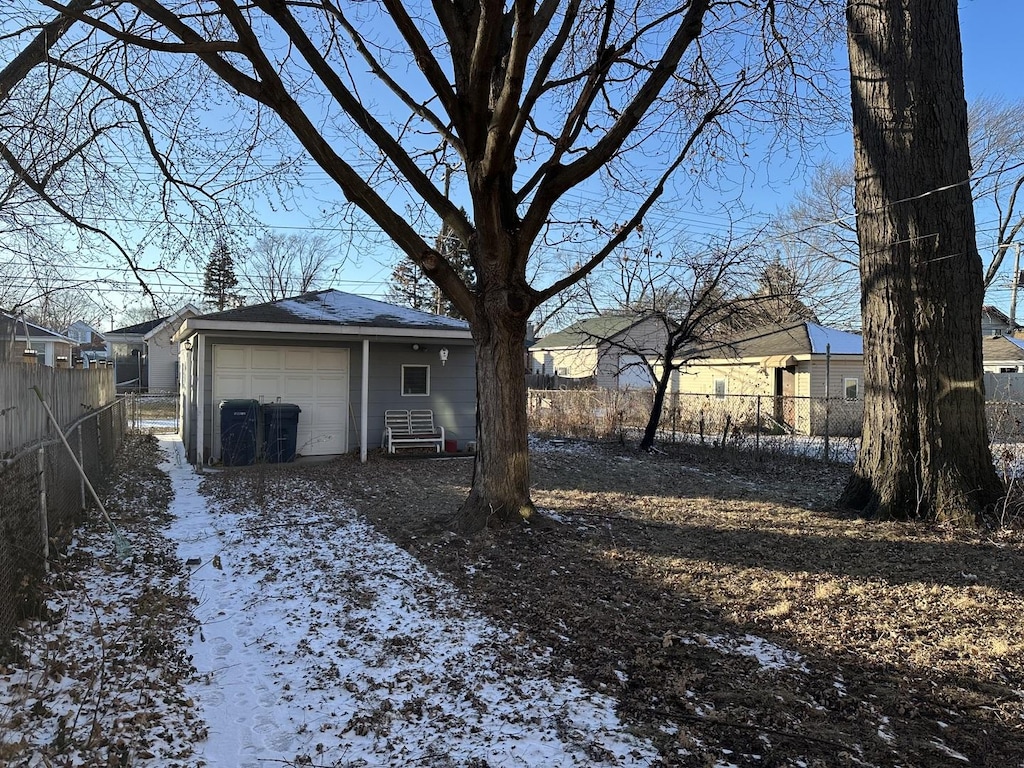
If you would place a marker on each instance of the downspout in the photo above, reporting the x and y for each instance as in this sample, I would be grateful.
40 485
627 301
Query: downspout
200 401
364 395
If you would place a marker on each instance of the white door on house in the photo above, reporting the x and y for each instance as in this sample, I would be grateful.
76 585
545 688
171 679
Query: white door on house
315 379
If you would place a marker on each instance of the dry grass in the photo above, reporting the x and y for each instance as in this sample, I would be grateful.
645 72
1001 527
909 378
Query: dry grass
650 566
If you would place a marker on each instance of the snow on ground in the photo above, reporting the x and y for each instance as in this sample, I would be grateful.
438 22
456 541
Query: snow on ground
320 640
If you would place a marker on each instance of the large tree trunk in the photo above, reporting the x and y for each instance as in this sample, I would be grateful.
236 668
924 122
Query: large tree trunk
924 449
500 495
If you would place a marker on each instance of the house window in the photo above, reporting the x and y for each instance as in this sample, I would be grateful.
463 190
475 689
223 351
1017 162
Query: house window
720 388
851 388
415 380
1007 370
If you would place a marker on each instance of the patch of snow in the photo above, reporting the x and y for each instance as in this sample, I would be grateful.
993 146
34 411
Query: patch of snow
767 654
949 752
340 307
885 731
838 342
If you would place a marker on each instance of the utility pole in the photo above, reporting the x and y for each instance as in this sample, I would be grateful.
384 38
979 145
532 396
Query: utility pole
1013 289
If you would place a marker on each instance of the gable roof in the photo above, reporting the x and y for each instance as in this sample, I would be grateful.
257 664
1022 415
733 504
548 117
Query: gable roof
139 329
588 332
36 332
805 338
328 311
149 327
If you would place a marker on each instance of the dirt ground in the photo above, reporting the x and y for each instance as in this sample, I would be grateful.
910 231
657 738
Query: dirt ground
657 571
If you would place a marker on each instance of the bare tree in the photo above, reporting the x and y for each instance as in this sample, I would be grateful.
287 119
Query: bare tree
536 100
924 447
279 265
90 163
689 303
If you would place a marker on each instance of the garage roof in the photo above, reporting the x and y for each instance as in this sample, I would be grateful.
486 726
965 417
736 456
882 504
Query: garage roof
328 311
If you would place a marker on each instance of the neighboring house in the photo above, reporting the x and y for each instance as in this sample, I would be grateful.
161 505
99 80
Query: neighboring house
785 365
604 348
1003 361
343 359
51 348
144 355
995 323
91 347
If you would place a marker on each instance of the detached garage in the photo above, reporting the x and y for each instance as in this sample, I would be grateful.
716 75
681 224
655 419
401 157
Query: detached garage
343 359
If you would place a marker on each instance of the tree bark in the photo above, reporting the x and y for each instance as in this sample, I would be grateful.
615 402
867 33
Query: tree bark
924 448
654 420
500 495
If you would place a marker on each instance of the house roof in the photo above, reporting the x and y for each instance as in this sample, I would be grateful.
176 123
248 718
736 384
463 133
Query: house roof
146 329
139 329
36 332
804 338
995 314
587 332
328 311
1002 348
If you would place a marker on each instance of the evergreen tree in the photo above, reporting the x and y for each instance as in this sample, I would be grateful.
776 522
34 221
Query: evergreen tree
409 287
219 279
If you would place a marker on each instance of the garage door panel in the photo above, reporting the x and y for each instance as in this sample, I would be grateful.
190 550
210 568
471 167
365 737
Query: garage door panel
232 357
232 387
296 387
300 359
331 386
316 380
266 357
332 360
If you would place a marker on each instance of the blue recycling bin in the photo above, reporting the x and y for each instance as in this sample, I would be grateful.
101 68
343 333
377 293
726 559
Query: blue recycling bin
239 428
280 431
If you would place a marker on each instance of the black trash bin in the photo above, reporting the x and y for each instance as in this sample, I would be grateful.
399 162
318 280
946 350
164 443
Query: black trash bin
239 428
280 429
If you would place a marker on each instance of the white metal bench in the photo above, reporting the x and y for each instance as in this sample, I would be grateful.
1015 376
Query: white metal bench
411 429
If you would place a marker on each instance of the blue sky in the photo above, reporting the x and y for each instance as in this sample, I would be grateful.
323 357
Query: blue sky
991 41
991 37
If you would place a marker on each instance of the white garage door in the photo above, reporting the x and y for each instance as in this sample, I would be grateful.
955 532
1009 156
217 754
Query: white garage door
316 380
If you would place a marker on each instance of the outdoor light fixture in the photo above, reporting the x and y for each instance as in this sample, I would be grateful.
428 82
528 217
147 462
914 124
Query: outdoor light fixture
444 355
416 347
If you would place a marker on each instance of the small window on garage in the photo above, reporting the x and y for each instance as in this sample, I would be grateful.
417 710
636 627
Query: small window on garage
720 388
415 380
851 388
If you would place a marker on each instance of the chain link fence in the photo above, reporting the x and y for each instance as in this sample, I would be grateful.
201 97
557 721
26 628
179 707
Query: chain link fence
153 412
817 428
43 498
814 427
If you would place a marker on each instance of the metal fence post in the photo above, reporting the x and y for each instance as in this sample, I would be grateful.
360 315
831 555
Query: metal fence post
81 460
757 429
828 374
44 526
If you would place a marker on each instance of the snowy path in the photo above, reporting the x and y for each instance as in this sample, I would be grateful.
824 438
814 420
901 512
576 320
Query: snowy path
323 642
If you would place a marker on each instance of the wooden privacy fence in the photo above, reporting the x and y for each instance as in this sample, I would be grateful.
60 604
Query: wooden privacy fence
71 393
42 495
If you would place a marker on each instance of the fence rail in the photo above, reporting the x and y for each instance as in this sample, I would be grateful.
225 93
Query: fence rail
69 392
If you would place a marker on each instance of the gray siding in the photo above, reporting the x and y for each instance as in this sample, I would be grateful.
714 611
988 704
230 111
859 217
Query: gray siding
452 395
